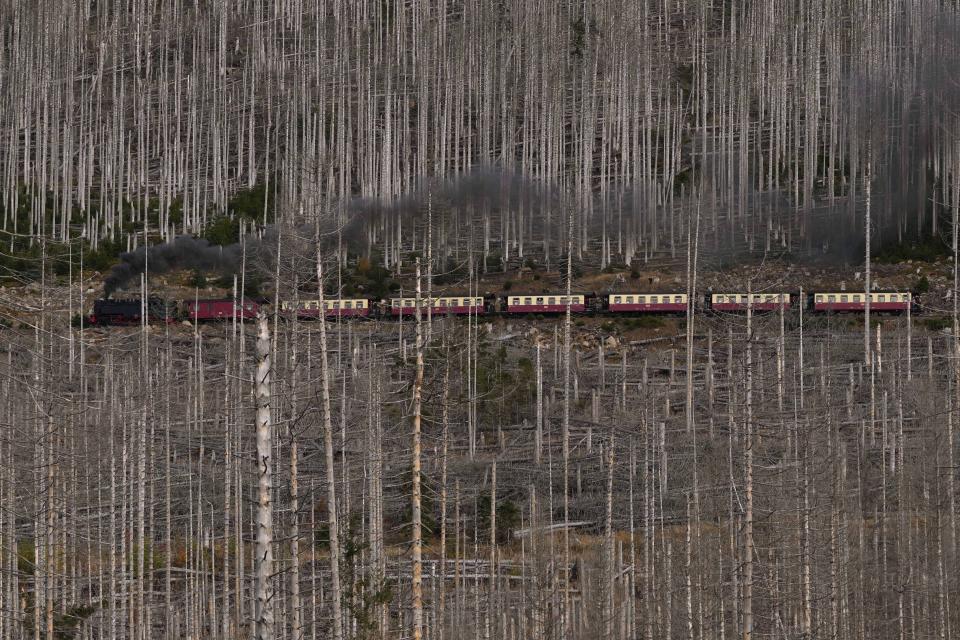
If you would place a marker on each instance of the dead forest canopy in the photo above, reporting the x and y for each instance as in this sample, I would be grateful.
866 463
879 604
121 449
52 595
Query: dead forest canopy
771 475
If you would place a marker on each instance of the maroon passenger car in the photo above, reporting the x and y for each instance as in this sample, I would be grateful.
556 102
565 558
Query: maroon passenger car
201 310
545 303
753 301
647 302
335 308
846 301
453 305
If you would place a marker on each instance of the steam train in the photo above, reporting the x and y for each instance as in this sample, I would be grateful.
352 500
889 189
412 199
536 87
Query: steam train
108 312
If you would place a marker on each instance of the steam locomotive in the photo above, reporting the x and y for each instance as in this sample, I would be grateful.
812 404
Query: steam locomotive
132 311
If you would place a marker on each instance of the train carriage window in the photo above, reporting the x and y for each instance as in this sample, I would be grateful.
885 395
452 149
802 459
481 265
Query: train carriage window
348 305
843 298
881 298
552 301
617 299
563 299
528 301
408 303
832 298
641 299
678 299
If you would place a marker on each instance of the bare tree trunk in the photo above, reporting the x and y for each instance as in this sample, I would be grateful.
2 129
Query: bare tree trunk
867 178
263 618
748 524
566 431
332 520
441 608
417 540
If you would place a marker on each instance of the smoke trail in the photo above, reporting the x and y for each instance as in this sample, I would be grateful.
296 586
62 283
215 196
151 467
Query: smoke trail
488 187
184 252
477 188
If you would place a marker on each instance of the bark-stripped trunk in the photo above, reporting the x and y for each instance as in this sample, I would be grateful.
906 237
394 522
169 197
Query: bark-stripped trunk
263 617
332 520
417 541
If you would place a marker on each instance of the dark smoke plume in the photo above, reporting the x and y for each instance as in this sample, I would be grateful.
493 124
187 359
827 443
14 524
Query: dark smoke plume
484 187
183 252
